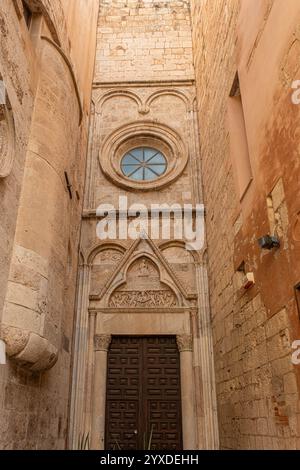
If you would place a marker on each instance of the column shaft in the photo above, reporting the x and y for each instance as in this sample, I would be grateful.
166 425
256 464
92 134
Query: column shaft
102 343
189 425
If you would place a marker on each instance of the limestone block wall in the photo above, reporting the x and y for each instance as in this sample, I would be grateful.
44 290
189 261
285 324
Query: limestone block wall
37 320
143 40
17 74
257 384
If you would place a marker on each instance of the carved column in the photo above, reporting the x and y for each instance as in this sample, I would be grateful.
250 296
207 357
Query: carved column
189 425
101 346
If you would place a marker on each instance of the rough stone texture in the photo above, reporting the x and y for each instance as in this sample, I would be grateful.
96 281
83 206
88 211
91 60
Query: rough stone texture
144 40
257 384
42 65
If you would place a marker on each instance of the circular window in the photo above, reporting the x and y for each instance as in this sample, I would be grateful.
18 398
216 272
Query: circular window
143 164
143 156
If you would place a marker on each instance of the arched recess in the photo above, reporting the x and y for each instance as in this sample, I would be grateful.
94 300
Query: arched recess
140 133
103 260
182 261
192 254
116 94
118 247
7 133
168 92
71 70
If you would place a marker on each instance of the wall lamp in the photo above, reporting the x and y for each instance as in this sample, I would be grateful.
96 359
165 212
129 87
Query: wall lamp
268 242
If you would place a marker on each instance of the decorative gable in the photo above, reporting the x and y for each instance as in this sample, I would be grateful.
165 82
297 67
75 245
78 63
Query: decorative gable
143 278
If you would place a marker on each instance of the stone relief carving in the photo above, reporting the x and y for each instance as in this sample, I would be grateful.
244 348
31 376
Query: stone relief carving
185 343
144 268
150 298
102 342
15 339
28 348
109 255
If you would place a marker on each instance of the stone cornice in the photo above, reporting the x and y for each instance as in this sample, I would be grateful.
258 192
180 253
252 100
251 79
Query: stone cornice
139 310
153 83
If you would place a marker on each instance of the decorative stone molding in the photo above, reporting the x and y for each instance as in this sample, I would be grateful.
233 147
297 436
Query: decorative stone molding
68 63
168 92
102 342
29 349
144 110
147 298
139 134
116 94
141 248
15 339
185 343
53 15
110 256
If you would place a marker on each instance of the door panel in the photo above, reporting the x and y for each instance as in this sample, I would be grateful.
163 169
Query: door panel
122 402
143 393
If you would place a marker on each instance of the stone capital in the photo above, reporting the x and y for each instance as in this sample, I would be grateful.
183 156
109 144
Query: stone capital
102 342
184 343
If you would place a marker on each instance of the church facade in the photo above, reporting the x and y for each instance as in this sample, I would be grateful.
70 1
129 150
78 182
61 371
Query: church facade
149 168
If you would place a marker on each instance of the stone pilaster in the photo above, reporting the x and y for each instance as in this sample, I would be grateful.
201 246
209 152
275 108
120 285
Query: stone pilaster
101 346
189 424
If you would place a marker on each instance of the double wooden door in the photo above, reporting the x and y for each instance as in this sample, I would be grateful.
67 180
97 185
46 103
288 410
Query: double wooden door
143 400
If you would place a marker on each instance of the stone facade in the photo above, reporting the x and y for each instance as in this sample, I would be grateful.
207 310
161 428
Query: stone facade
48 90
209 84
143 95
257 384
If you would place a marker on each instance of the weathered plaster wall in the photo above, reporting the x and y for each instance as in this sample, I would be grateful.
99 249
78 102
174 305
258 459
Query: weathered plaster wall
257 384
37 321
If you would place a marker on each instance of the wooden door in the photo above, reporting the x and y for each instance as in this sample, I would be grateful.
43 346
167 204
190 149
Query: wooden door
143 394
